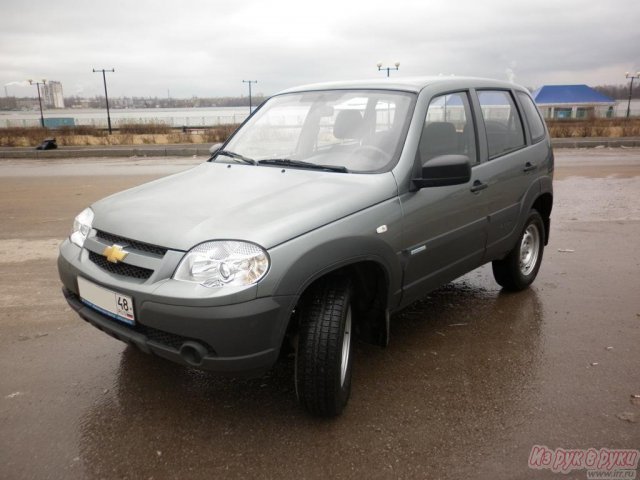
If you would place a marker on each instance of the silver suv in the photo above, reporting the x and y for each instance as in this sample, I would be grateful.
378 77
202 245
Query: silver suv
332 207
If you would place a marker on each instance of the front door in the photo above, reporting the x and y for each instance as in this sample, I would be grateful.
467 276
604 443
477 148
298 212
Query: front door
444 228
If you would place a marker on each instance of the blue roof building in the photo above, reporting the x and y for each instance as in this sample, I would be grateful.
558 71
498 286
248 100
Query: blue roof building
572 101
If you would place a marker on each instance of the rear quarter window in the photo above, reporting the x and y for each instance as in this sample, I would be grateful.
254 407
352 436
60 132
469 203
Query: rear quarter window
533 117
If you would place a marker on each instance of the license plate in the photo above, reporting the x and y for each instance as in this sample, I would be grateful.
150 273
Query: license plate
113 304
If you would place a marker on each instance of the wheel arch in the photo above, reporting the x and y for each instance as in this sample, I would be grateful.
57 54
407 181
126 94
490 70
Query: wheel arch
370 281
544 204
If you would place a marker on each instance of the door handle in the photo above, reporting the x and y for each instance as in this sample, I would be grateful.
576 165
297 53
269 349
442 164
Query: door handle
528 167
477 186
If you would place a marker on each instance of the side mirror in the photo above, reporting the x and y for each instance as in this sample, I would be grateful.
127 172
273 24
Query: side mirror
444 170
213 149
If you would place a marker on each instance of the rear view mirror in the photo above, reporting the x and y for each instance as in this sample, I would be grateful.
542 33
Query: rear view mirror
323 110
444 170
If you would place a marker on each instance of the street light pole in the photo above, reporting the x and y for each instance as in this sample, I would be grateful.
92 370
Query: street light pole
632 77
249 82
106 97
388 69
31 82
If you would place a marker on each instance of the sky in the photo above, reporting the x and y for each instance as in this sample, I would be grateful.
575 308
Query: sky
206 48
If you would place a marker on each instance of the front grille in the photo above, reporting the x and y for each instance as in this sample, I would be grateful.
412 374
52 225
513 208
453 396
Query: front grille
131 244
124 269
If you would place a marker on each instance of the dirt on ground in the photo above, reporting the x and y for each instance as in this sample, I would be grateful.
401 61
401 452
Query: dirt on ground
473 378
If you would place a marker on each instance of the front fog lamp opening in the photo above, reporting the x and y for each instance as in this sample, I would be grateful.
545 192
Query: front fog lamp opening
223 263
81 227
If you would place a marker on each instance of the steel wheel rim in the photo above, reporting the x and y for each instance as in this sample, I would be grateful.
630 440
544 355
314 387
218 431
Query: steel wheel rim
346 348
529 249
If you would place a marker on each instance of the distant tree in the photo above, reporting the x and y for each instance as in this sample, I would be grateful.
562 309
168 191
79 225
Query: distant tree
619 92
8 103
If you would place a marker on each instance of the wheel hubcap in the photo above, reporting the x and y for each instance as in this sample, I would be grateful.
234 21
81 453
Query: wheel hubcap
529 249
346 348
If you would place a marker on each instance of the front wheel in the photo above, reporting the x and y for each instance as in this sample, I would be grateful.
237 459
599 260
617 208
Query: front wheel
520 267
324 357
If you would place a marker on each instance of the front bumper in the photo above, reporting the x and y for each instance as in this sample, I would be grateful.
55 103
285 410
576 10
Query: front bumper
238 338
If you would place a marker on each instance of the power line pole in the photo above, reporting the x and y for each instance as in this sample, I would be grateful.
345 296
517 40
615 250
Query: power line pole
249 82
106 97
31 82
632 77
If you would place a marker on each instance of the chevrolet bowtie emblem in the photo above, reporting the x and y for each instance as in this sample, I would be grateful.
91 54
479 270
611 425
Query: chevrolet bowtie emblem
114 253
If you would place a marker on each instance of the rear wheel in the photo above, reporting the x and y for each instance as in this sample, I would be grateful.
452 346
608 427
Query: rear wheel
520 267
324 353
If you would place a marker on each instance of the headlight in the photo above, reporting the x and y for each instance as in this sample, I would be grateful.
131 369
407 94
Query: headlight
82 227
224 262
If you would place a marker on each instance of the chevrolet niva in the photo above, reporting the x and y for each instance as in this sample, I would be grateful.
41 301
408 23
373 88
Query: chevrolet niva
332 207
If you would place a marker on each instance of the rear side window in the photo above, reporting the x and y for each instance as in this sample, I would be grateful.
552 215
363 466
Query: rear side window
502 122
448 128
533 117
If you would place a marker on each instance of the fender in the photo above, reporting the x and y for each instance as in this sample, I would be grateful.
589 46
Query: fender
542 186
323 258
351 242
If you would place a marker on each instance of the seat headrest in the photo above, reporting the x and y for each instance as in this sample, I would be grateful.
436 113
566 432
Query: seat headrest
348 124
440 129
438 138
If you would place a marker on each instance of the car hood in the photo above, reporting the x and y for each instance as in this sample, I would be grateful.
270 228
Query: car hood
261 204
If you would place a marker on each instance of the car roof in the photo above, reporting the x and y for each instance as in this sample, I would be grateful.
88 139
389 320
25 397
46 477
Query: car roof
407 84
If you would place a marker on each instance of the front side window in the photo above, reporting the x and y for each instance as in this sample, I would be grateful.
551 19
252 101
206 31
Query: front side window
448 128
502 122
360 130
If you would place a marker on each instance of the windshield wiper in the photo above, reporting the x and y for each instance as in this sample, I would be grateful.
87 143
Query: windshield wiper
286 162
236 156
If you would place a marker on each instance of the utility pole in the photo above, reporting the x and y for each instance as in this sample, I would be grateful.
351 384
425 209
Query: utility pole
632 77
249 82
106 97
31 82
388 69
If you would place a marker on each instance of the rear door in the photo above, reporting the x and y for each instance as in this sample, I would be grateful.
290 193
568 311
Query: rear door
508 168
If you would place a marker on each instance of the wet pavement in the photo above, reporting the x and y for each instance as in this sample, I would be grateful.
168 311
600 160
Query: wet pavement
472 379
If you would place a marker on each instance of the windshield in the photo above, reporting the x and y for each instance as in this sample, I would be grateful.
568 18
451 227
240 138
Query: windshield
353 130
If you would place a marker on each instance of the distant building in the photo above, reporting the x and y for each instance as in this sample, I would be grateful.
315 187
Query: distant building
52 93
572 101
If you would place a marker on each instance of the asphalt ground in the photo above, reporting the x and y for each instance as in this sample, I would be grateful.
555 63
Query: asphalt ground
472 380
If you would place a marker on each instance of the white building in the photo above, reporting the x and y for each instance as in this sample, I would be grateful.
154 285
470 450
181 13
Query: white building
52 93
572 101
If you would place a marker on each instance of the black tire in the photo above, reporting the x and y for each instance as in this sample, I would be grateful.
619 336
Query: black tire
322 375
520 267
